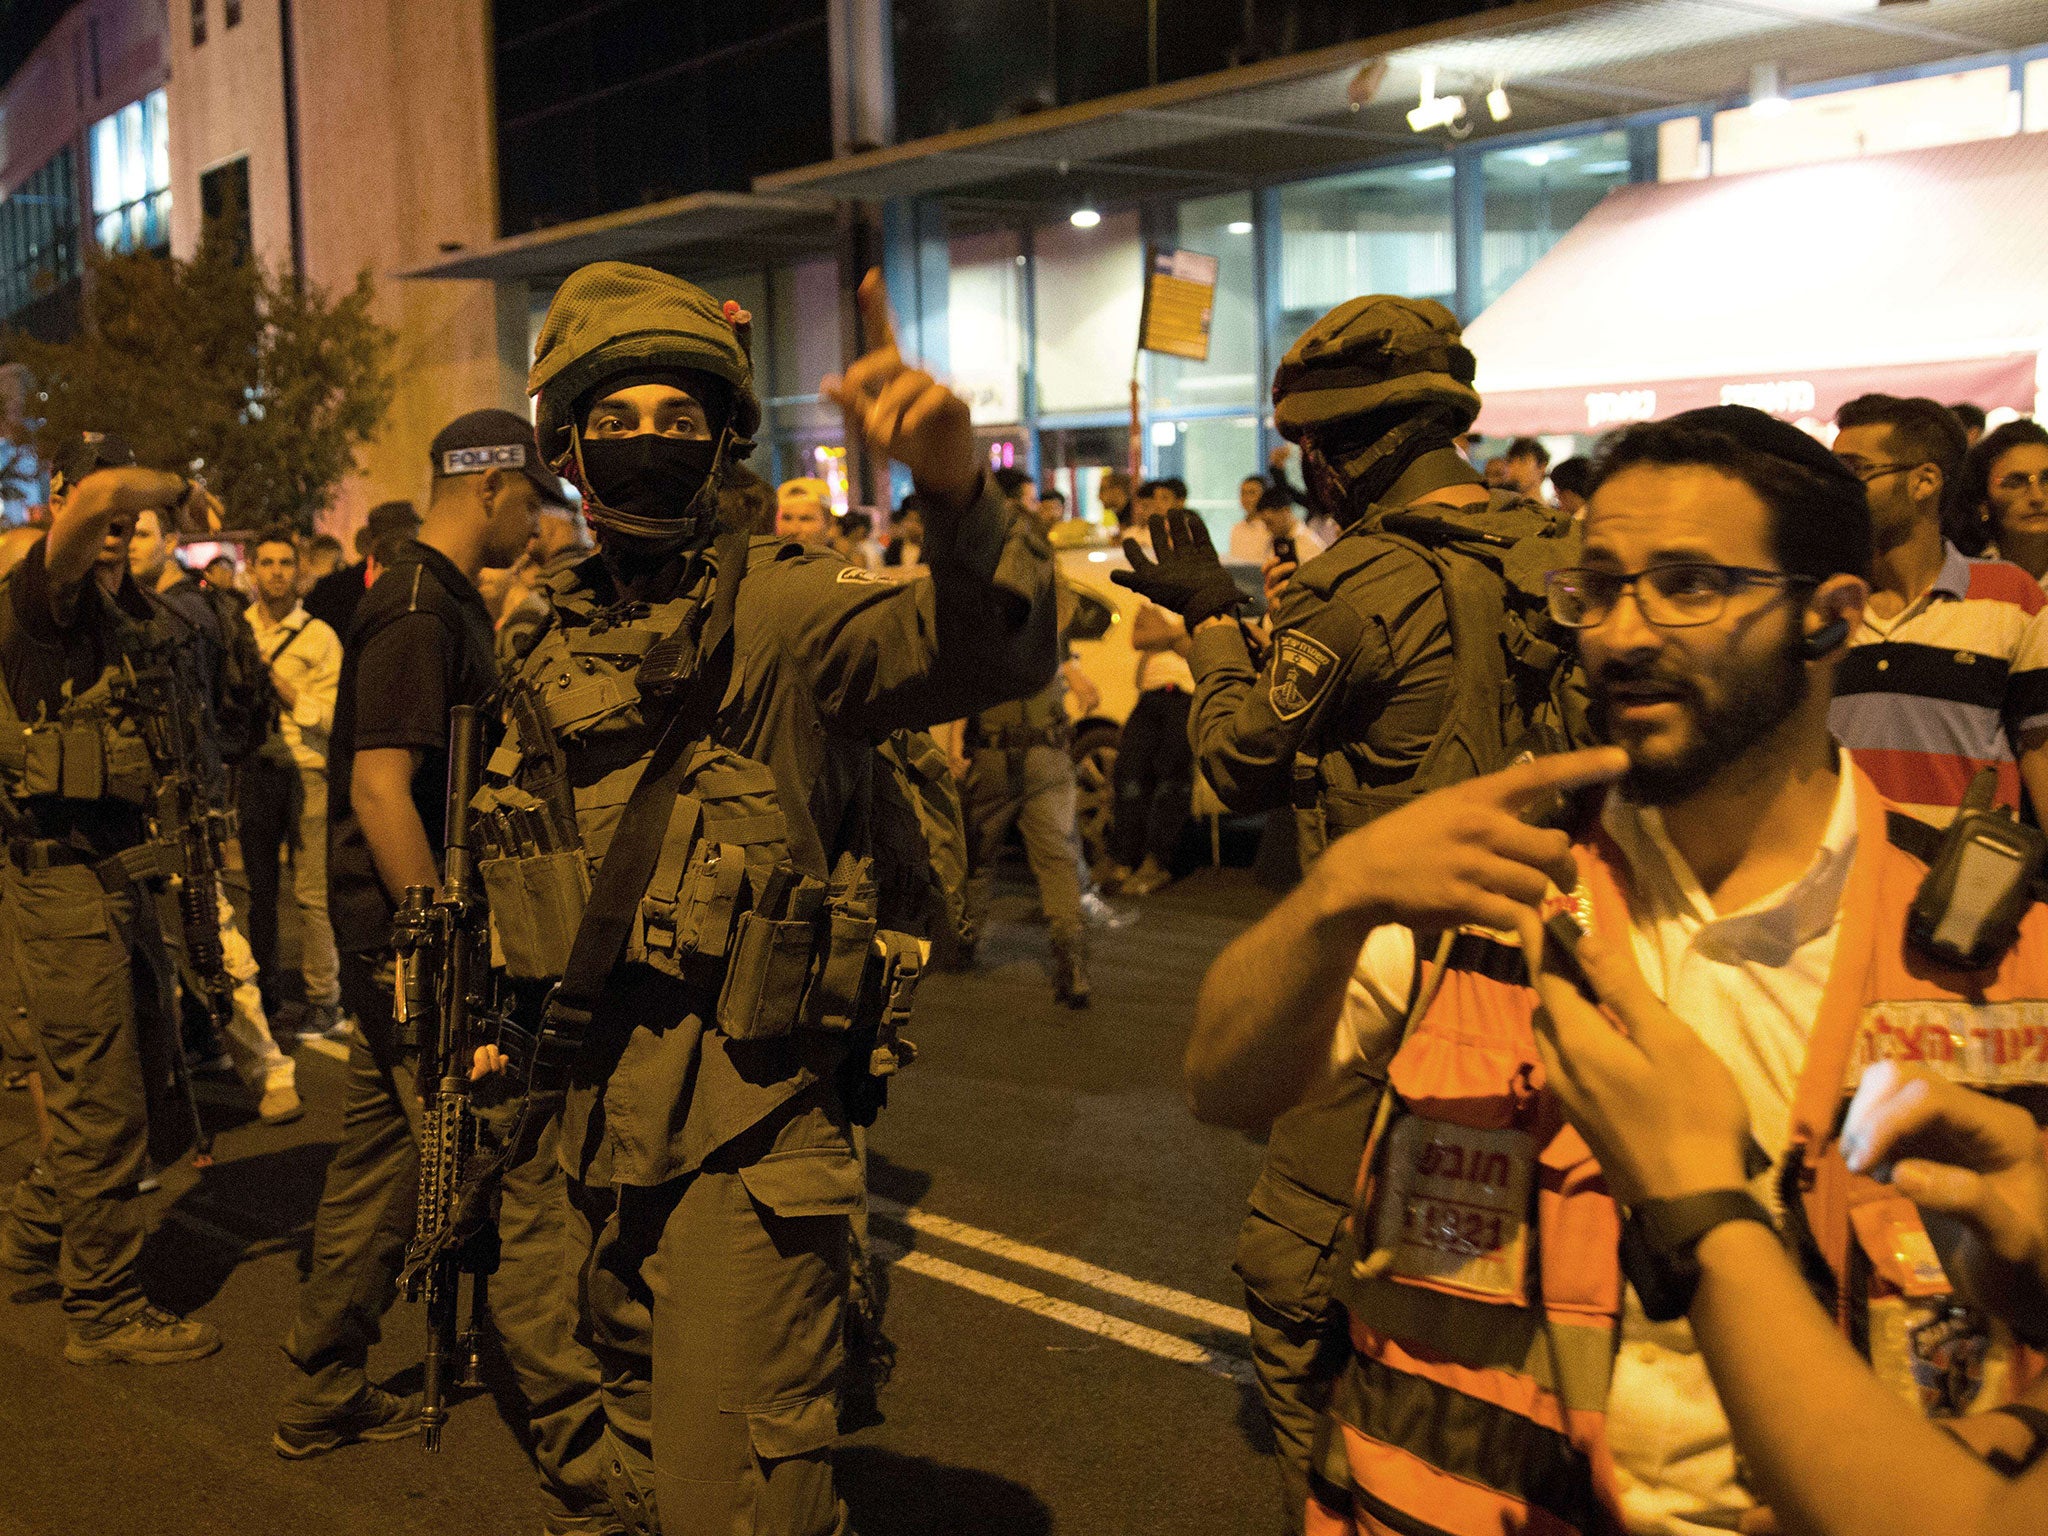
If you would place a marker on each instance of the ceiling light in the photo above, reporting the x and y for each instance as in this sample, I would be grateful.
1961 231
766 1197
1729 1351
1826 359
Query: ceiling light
1603 168
1433 172
1434 111
1239 226
1497 102
1085 217
1766 95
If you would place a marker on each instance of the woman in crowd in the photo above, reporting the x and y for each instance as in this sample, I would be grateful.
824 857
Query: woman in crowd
2001 504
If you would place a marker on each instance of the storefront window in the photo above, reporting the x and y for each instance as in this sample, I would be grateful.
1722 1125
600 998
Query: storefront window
1089 289
39 235
1219 227
1378 231
985 324
1213 454
1535 192
131 176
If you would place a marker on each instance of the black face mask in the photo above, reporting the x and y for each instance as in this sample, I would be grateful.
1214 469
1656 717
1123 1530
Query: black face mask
648 475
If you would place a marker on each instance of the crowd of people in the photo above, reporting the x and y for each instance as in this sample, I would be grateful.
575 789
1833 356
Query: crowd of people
1650 1051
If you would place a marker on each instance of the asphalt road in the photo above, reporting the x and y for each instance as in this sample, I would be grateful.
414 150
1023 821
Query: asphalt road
1069 1339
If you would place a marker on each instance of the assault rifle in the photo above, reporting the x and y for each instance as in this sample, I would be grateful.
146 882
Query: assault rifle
190 832
441 996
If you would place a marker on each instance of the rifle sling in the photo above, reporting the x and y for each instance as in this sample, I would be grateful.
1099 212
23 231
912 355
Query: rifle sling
621 880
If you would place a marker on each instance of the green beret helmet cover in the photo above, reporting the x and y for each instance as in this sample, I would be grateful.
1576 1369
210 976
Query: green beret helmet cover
612 317
1371 355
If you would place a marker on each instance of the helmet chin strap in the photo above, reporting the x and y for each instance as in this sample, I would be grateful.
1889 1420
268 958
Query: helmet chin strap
1409 460
692 528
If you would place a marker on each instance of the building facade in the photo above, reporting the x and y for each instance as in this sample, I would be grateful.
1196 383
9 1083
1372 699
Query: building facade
1010 164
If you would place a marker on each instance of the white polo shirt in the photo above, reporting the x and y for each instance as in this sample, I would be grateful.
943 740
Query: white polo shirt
1749 983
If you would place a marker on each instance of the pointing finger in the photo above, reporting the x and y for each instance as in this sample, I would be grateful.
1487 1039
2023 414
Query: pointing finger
876 325
1526 784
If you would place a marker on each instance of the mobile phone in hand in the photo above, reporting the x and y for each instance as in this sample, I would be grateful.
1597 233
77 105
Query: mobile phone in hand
1283 549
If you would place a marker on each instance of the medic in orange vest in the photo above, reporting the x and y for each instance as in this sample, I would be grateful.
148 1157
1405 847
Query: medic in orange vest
1499 1382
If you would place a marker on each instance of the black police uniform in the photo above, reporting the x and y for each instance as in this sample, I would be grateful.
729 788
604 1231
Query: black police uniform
422 643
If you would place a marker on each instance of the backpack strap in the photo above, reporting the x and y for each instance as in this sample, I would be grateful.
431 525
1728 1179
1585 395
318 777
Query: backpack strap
621 880
291 638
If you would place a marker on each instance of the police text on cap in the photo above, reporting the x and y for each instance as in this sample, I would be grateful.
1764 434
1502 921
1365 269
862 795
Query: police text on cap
474 461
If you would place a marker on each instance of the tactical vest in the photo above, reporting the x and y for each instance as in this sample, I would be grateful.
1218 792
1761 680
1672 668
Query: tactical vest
1485 1312
725 909
94 748
1513 684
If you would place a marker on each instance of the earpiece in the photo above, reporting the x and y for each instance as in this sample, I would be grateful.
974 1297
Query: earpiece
1824 640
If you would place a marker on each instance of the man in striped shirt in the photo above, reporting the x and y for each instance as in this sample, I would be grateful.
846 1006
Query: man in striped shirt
1948 672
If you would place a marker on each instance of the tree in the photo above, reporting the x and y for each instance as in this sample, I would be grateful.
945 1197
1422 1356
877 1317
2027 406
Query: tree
267 384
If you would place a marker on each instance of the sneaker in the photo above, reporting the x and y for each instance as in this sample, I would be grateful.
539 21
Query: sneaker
376 1415
327 1021
1097 913
279 1106
147 1336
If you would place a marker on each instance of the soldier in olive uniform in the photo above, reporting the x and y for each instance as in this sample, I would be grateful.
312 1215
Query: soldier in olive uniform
746 983
1019 772
1351 713
81 923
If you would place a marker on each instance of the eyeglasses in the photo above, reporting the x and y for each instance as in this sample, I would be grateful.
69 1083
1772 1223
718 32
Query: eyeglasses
1869 472
2019 480
1674 596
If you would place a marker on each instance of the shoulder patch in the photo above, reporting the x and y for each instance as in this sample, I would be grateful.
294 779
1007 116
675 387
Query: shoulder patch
861 574
1303 668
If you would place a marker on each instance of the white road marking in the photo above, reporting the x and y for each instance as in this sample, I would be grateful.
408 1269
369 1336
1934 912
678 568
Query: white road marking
1168 1346
1196 1308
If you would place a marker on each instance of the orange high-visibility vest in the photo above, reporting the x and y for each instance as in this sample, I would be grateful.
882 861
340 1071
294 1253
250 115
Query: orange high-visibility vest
1485 1303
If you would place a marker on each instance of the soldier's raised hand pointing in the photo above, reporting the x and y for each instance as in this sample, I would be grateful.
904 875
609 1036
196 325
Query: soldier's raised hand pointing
904 413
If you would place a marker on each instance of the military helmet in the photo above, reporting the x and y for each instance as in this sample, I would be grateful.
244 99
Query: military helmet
612 317
1377 356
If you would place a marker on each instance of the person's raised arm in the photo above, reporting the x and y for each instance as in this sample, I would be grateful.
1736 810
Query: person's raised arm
1666 1120
981 629
905 414
79 529
1268 1007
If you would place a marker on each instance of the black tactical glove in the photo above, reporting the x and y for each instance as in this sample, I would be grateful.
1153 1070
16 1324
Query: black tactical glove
1183 572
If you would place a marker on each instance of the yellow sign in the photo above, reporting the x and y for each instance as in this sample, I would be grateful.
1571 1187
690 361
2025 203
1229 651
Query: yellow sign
1180 299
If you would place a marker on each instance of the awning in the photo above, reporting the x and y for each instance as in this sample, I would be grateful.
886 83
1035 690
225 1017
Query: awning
701 231
1919 273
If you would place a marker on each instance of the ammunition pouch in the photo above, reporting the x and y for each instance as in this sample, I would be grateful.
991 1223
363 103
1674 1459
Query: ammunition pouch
86 756
536 901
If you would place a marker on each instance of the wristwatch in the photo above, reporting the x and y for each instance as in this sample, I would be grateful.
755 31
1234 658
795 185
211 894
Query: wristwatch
1660 1242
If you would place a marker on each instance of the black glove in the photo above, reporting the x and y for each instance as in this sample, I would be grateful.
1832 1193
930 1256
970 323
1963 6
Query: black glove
1183 572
